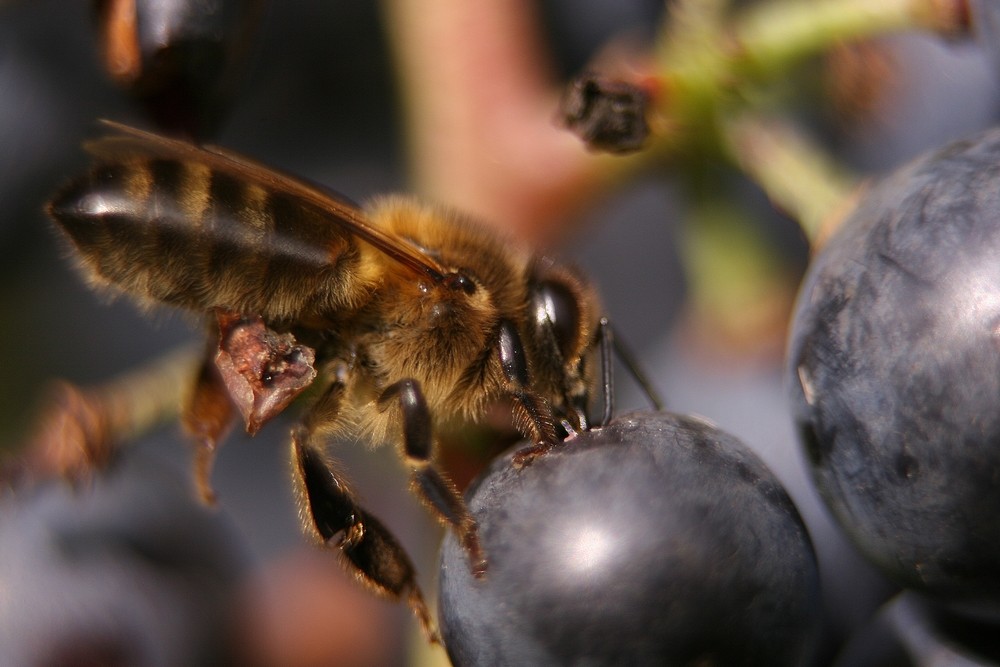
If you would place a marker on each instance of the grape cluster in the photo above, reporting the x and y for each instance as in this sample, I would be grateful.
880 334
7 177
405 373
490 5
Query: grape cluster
655 540
658 540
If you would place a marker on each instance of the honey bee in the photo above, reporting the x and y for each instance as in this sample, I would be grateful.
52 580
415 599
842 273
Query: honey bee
393 314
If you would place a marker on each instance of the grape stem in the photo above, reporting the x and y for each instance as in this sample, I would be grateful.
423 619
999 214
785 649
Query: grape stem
798 176
775 34
716 67
479 97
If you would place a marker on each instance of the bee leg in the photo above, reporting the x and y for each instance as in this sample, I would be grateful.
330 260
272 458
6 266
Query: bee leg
82 429
532 415
206 416
611 341
330 508
73 438
428 481
262 370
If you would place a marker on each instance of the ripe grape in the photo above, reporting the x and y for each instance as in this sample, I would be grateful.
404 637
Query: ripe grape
894 358
128 569
657 540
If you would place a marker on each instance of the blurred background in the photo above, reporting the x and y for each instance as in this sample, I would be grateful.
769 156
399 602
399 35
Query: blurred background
319 97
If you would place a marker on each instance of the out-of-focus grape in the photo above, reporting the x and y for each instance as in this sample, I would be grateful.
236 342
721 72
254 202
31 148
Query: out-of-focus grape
127 570
181 59
911 632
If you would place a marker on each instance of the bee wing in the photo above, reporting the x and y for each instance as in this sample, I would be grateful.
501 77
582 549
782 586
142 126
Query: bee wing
132 141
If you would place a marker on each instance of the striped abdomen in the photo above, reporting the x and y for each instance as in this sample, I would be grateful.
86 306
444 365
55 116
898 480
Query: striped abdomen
182 233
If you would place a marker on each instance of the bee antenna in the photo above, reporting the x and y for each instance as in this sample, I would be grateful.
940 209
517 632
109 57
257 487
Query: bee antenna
609 341
607 338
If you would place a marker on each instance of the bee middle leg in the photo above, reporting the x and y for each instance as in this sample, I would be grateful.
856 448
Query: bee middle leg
428 481
330 508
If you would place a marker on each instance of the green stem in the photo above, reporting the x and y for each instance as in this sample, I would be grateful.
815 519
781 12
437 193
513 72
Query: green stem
797 175
777 33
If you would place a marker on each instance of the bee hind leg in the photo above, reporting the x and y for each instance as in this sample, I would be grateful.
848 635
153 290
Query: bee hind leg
206 417
428 481
332 515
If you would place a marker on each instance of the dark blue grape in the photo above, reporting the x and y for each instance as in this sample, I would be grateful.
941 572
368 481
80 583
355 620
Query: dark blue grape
180 59
895 365
658 540
909 631
127 570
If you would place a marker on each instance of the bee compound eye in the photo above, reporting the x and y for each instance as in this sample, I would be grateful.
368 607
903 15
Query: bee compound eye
457 281
556 308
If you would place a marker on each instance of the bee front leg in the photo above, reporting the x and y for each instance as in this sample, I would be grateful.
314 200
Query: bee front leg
330 508
532 415
427 480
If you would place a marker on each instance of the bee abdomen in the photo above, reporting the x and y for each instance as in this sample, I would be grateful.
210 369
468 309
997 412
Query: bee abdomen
179 233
